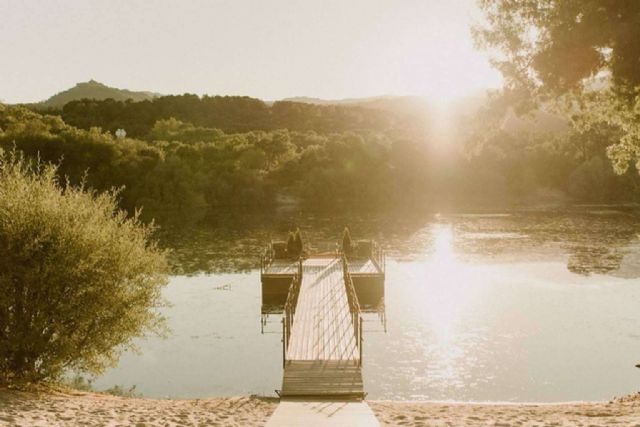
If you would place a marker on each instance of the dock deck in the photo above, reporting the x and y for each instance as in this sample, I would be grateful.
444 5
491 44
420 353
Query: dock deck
321 333
321 298
287 267
322 379
323 325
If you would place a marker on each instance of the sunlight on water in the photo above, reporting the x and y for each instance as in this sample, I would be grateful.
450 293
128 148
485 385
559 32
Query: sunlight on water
447 296
449 290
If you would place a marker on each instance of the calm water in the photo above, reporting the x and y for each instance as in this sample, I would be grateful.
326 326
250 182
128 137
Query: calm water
521 306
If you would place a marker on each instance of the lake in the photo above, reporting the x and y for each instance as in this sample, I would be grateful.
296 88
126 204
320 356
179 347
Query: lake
538 305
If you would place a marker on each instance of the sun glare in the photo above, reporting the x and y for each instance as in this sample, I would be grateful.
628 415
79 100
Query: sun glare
451 289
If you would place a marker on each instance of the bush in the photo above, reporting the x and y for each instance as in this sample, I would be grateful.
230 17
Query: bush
78 279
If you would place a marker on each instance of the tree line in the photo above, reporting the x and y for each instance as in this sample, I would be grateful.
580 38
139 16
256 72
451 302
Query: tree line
182 165
231 114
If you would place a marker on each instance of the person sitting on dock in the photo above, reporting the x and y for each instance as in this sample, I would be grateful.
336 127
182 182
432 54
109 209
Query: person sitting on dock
347 244
291 246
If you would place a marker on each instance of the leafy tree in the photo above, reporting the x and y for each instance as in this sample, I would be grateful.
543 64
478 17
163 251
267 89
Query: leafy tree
181 167
78 278
586 52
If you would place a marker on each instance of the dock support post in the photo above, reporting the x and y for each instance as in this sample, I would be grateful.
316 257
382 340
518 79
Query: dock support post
360 337
284 343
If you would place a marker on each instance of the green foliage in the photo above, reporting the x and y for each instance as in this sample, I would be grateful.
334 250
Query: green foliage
584 53
590 181
78 278
228 113
557 45
182 167
175 130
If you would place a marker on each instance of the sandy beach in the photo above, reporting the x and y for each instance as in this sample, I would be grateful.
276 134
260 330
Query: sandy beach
66 408
620 412
70 408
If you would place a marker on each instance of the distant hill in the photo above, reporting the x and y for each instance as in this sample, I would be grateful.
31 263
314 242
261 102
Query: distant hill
94 90
403 104
346 101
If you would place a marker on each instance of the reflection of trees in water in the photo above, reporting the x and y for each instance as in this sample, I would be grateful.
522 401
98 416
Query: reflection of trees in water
222 242
599 242
596 241
594 259
213 242
216 242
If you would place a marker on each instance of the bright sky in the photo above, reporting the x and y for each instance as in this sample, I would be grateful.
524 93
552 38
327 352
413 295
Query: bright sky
270 49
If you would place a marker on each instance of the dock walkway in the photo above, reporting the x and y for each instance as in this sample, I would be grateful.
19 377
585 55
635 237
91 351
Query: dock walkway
322 325
322 340
322 357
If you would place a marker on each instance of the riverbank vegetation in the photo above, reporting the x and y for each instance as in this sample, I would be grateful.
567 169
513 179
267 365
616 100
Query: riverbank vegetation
240 153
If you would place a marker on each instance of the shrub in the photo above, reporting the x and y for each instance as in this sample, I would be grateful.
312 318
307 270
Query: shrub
78 279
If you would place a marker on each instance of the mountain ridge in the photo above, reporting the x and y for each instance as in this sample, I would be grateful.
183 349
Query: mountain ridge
93 89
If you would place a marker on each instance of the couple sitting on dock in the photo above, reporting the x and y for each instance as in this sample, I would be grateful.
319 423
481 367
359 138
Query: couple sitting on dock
357 249
293 248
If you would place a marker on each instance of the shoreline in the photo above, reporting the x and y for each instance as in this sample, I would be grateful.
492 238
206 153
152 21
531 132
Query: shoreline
63 407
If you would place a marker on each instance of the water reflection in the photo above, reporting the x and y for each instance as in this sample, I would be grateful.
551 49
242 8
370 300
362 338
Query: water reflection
590 241
450 289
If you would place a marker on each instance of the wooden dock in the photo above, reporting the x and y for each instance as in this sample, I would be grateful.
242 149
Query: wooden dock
322 335
322 326
319 298
322 379
367 272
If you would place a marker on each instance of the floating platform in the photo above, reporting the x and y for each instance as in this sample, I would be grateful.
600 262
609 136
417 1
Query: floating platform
367 270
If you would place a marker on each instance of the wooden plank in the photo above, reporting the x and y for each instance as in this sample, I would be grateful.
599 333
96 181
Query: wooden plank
322 358
321 326
281 267
363 266
336 379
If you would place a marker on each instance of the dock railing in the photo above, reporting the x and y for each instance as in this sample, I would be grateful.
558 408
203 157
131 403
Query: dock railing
354 307
266 258
378 257
290 310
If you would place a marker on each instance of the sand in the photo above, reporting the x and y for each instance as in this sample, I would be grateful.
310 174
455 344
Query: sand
70 408
619 412
95 409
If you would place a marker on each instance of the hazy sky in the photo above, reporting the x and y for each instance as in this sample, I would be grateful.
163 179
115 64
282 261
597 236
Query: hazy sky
261 48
